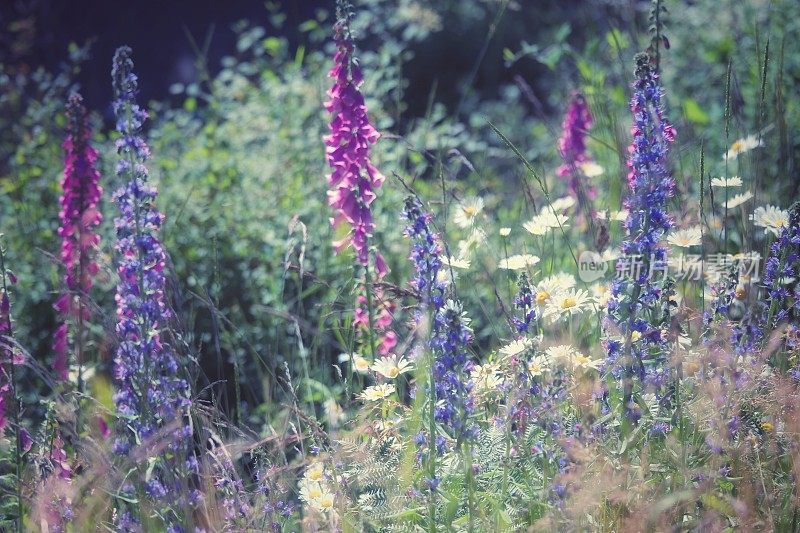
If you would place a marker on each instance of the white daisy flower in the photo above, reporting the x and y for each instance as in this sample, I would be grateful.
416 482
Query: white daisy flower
738 200
456 262
505 232
562 204
743 145
518 262
467 212
377 392
516 347
392 366
771 218
733 181
486 377
567 303
545 221
585 362
563 353
476 237
538 365
686 238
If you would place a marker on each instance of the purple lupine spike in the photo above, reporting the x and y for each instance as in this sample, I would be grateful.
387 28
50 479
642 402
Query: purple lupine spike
638 308
152 399
450 331
79 216
354 179
781 272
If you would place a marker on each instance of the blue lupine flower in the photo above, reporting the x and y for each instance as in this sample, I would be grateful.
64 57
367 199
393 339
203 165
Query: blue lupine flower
150 393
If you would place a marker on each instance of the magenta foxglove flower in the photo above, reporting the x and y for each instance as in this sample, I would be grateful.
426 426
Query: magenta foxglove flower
353 179
7 355
572 148
79 217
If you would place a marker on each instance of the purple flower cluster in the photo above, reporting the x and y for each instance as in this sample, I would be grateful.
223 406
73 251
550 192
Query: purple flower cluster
425 255
572 147
640 306
353 179
451 371
151 395
79 217
781 272
6 353
450 331
524 301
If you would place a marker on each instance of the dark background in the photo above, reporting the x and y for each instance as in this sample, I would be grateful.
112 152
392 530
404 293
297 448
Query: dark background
38 32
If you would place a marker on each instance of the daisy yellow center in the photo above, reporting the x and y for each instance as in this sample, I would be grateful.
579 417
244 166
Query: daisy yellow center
393 372
362 364
326 502
314 492
737 147
635 336
542 297
470 211
315 475
568 302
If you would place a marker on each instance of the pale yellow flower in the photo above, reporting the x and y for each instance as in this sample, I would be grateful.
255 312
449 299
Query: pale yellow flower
377 392
582 361
591 169
392 366
315 472
467 212
518 262
360 364
324 502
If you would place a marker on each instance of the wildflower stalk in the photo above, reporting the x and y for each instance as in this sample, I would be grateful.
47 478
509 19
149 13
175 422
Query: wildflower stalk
637 307
7 357
79 214
370 313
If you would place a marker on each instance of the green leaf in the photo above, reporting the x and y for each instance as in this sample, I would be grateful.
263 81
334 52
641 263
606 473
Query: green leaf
694 113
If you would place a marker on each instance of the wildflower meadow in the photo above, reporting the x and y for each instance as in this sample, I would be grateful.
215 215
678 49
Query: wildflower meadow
456 266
